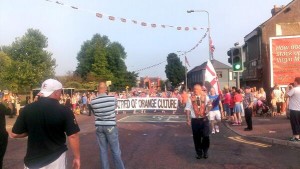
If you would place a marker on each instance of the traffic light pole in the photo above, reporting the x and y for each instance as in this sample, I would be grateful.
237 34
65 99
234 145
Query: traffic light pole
238 80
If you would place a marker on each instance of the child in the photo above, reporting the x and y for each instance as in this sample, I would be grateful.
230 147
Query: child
77 110
274 106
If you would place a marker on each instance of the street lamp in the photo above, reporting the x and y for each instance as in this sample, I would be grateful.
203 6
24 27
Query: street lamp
185 68
208 30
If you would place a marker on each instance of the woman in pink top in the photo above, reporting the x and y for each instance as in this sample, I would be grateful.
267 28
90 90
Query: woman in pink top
237 109
226 102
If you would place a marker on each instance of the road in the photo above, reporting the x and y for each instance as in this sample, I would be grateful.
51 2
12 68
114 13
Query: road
161 141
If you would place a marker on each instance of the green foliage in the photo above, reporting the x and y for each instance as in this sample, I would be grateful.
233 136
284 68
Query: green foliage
101 60
5 63
31 63
174 70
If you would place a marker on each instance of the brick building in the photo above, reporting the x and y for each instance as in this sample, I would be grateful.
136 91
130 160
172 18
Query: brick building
285 21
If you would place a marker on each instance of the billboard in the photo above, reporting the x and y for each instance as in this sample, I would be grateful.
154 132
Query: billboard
284 59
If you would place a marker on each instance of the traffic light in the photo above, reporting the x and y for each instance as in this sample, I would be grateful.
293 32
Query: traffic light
237 59
230 57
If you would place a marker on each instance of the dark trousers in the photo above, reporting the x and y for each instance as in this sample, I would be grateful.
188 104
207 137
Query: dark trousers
279 105
200 128
90 109
295 121
248 117
3 145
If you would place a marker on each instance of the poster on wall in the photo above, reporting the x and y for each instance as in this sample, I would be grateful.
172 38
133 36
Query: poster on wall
284 59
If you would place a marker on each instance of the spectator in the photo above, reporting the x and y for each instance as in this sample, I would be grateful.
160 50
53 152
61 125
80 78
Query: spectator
248 104
294 107
46 123
237 98
106 128
278 95
3 133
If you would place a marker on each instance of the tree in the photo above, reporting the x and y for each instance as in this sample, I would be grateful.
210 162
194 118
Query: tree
31 63
175 71
99 59
91 54
5 63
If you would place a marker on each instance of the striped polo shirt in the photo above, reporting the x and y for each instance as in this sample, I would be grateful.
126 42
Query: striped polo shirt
104 109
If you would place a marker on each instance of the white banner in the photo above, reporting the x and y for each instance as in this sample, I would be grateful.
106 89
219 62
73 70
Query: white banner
153 103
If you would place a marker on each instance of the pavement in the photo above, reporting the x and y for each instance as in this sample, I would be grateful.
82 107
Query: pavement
273 130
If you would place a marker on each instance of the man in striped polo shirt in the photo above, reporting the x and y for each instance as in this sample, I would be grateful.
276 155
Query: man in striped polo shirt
106 130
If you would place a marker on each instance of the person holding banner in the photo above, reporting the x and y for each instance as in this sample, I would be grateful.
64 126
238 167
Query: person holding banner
196 111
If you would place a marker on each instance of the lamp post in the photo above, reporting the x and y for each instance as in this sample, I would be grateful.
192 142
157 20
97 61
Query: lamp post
208 30
185 68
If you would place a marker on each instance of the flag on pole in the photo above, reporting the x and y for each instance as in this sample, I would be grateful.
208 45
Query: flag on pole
186 61
211 77
211 46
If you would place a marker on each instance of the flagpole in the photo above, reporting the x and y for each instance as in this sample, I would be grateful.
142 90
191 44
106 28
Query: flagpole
185 71
185 68
208 31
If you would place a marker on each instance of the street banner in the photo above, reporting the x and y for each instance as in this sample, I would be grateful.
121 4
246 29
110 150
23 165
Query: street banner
153 103
284 60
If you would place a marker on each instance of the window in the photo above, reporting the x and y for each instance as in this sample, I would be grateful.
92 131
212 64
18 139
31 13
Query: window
219 74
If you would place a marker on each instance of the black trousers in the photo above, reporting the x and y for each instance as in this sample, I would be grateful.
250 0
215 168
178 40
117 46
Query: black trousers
90 109
295 121
3 145
200 128
248 117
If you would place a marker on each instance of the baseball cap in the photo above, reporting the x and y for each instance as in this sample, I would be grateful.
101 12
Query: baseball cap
49 86
247 87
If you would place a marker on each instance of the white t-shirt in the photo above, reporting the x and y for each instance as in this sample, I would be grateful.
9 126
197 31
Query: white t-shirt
294 102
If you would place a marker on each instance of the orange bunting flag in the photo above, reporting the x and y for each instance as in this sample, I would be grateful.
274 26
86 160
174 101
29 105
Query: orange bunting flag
153 25
112 18
123 20
99 15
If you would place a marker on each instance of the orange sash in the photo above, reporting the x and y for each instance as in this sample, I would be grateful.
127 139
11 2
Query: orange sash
199 109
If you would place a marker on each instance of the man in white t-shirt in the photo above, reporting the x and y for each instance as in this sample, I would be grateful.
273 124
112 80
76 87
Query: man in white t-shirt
294 106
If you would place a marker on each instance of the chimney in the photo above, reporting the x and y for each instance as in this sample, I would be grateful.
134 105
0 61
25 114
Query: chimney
276 9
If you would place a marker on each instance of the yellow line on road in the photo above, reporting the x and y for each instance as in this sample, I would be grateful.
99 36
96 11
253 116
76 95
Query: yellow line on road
239 139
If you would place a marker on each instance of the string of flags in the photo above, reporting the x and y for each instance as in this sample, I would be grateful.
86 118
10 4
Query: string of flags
101 15
157 64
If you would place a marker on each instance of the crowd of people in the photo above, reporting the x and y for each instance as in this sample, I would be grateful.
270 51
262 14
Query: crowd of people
204 110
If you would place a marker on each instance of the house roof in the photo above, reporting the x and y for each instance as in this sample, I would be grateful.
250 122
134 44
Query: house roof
254 32
216 64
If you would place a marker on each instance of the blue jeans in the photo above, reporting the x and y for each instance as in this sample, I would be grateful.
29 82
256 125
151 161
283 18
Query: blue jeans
108 135
227 109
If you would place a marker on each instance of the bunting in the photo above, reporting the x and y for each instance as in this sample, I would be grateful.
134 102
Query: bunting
101 15
200 41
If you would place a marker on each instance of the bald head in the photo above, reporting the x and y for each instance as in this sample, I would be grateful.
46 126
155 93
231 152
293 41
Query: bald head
102 88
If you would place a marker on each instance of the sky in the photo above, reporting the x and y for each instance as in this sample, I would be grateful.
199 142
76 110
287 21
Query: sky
67 28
